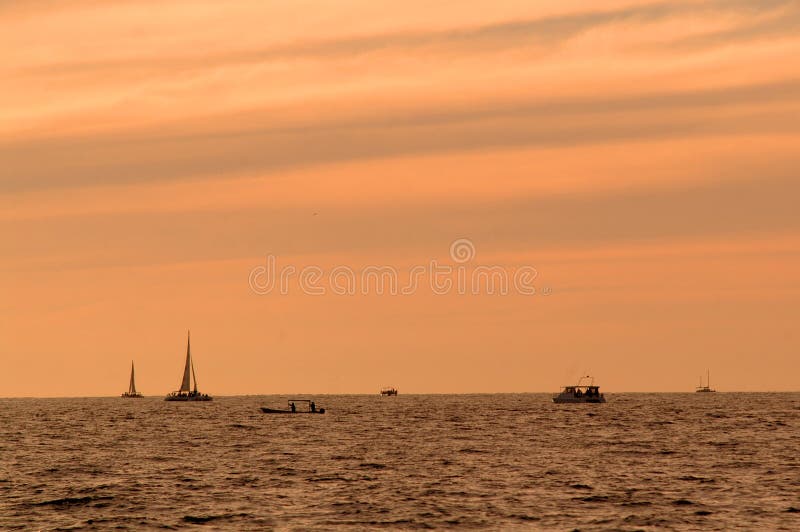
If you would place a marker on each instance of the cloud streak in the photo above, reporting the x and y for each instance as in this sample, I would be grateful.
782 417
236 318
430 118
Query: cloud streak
515 34
191 152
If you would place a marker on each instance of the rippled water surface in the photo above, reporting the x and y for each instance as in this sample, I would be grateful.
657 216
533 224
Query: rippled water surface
641 461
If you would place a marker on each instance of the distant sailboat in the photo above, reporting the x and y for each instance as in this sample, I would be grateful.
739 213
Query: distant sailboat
187 392
132 393
707 387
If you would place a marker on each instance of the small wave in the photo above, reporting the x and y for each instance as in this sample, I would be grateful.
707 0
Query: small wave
692 478
372 465
644 521
72 501
242 426
524 517
329 478
592 498
90 489
200 519
581 487
682 502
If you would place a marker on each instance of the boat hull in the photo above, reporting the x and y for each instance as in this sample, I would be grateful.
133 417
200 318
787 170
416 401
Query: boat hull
567 400
131 395
185 398
280 411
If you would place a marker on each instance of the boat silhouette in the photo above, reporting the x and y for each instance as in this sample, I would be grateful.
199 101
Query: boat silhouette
707 387
311 408
580 393
186 391
132 393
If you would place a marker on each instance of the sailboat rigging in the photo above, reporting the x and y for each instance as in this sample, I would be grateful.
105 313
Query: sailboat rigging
187 392
707 387
132 393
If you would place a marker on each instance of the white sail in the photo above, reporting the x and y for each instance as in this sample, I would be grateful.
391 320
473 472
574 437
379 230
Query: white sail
185 384
132 385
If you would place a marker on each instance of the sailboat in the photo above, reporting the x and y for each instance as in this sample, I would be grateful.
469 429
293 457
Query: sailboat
707 387
187 392
132 393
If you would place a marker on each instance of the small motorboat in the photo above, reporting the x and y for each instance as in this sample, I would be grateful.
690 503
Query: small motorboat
580 393
310 407
389 391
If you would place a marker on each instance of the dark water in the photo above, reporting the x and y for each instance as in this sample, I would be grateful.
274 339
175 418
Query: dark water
663 461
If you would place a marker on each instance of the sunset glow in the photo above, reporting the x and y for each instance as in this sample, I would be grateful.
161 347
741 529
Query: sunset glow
641 156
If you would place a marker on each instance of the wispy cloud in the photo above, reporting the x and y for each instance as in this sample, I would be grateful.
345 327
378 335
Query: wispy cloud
487 39
217 147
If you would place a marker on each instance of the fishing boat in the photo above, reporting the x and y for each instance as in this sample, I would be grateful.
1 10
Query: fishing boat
310 407
187 392
389 391
580 393
132 393
707 387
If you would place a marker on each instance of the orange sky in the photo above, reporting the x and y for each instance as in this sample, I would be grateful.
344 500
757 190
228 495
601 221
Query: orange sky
641 156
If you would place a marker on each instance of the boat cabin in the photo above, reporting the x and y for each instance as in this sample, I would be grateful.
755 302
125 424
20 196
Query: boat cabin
580 393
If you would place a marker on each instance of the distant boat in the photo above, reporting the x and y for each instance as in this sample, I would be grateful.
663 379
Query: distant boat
389 391
132 393
310 408
707 387
187 392
580 393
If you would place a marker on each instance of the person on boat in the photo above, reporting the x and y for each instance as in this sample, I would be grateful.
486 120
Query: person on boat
313 406
294 408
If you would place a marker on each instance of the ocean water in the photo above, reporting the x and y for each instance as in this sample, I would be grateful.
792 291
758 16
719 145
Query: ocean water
640 462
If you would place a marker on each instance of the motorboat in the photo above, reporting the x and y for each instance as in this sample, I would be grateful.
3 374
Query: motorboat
580 393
